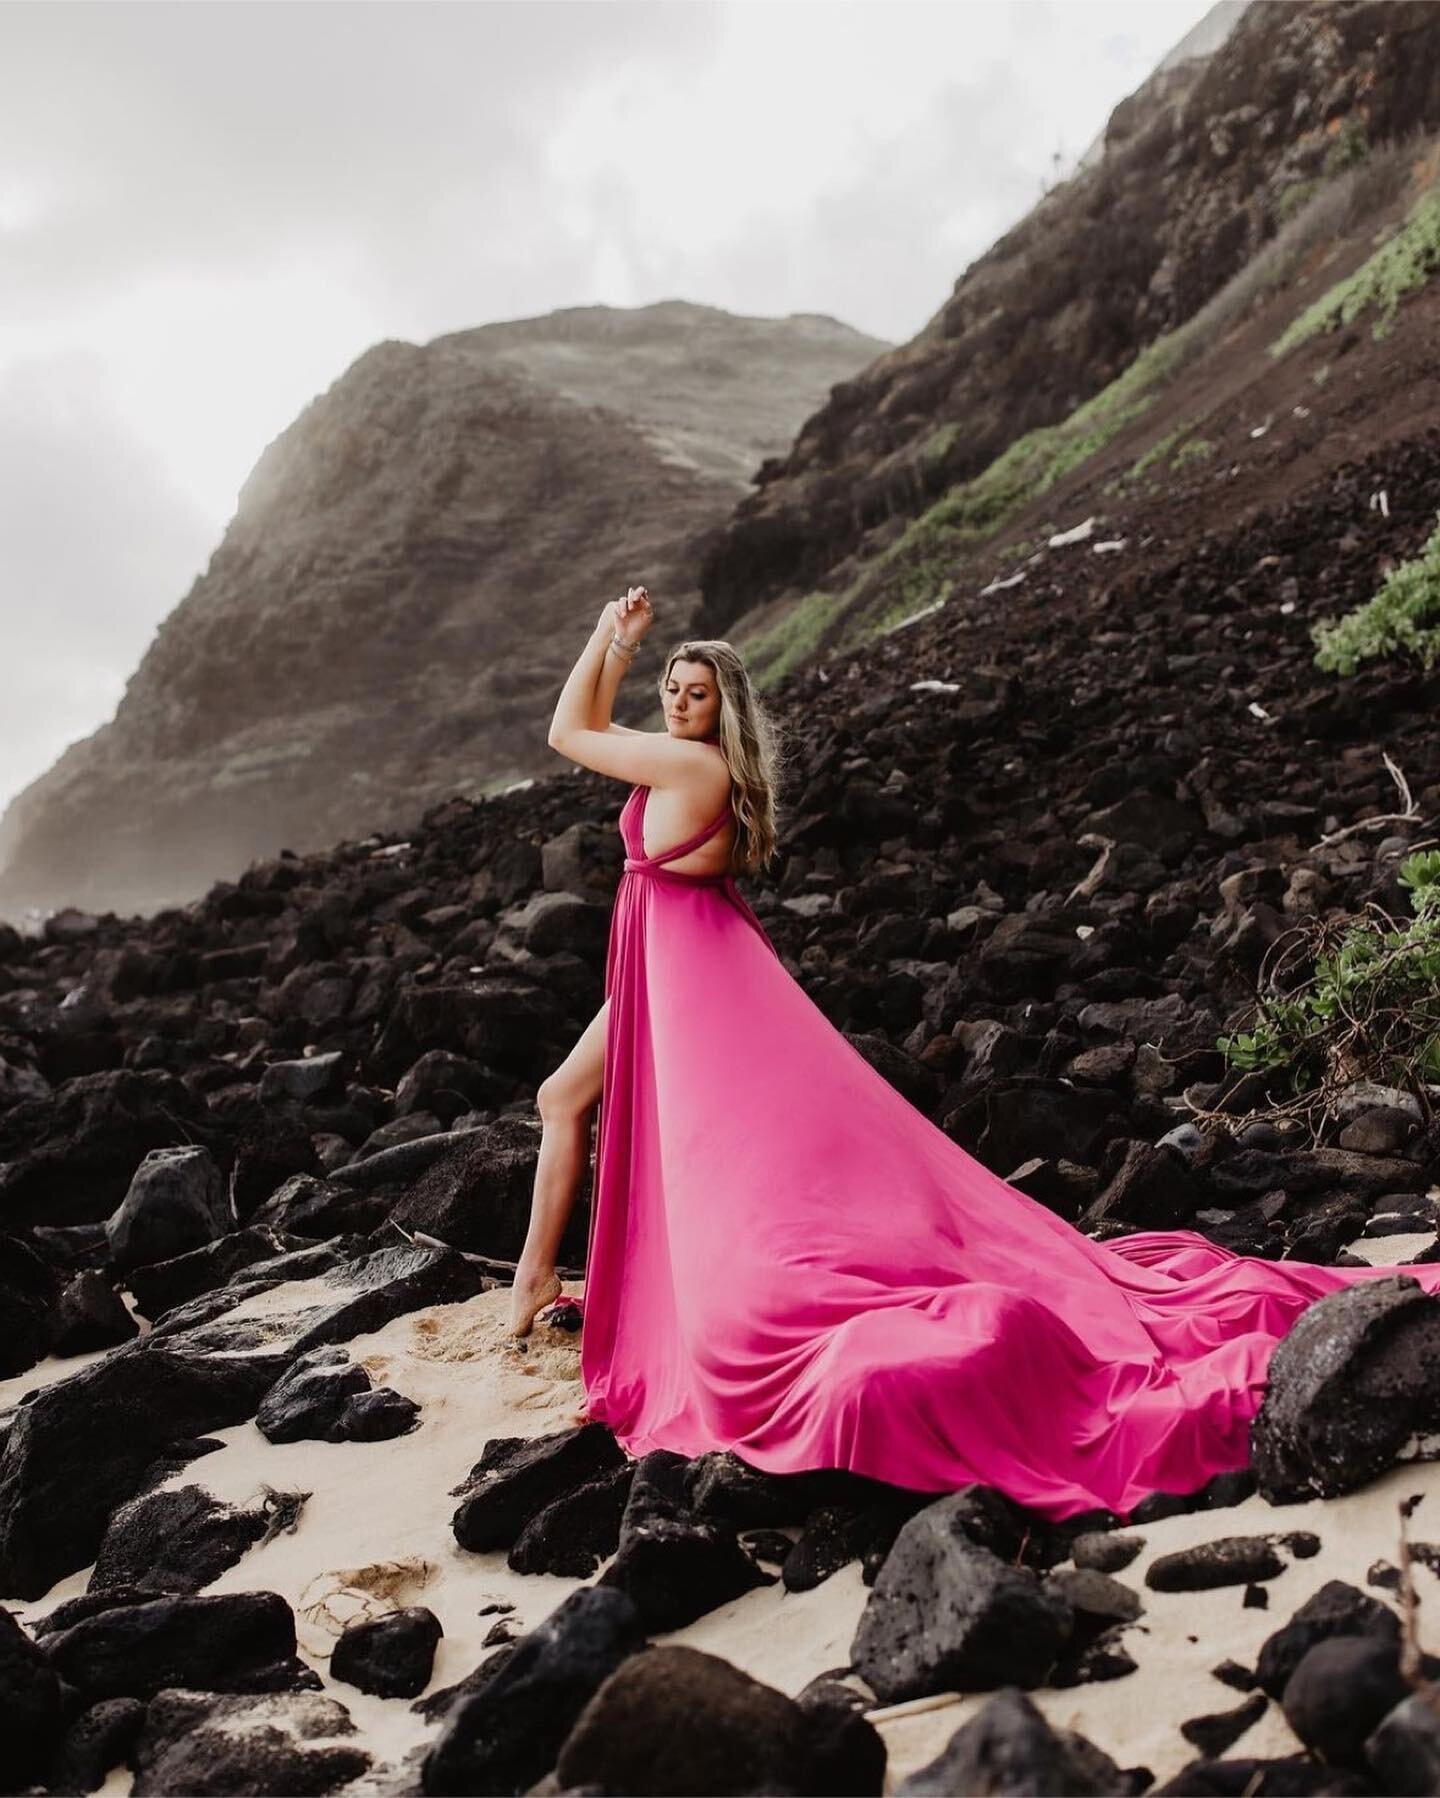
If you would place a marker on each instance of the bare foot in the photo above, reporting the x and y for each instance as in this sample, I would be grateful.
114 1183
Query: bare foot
529 1294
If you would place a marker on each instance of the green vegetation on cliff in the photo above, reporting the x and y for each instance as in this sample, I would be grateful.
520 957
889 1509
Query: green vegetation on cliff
1403 262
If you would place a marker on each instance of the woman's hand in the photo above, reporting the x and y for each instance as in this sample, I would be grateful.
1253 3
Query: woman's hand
629 617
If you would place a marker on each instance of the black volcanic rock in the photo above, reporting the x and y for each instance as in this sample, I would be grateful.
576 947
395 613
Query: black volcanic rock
1214 1732
100 1738
514 1479
90 1315
675 1563
70 1157
477 1196
175 1203
176 1540
390 1655
1152 1188
946 1614
1008 1746
576 1531
1105 1551
232 1642
32 1706
504 1736
677 1720
157 1286
1227 1561
212 1742
269 1149
1355 1376
310 1397
1403 1752
1341 1690
80 1447
1336 1610
29 1306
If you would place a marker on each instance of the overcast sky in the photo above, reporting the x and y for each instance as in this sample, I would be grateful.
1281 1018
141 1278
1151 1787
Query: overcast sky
210 208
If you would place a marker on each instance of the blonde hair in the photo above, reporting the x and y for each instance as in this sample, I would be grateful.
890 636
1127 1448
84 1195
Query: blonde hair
750 741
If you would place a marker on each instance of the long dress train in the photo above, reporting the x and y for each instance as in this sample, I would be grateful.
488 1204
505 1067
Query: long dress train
788 1259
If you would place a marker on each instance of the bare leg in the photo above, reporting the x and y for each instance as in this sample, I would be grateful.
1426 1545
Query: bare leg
567 1101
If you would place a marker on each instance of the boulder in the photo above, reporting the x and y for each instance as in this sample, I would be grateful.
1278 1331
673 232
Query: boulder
232 1642
391 1656
949 1615
1008 1746
181 1538
175 1202
29 1306
515 1478
503 1737
674 1563
1354 1377
33 1707
282 1742
678 1720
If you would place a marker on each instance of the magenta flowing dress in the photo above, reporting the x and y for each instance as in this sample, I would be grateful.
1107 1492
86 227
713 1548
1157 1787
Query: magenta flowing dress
788 1260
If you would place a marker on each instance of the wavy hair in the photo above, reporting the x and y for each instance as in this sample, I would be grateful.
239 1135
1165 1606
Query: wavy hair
750 741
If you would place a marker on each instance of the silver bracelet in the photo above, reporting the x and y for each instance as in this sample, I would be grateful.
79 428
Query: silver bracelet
615 644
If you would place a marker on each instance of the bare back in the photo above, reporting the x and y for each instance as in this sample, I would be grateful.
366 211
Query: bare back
674 815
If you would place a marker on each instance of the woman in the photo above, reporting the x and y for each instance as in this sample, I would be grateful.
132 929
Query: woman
786 1258
690 775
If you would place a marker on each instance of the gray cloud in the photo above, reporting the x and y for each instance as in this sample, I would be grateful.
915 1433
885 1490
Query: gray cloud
208 210
220 131
93 530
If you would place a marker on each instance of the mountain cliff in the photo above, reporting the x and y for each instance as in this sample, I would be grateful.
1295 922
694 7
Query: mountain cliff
1201 168
411 568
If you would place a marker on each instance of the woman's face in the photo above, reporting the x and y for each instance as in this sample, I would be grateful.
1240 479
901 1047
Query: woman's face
692 701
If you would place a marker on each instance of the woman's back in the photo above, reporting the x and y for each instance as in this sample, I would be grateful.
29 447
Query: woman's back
669 816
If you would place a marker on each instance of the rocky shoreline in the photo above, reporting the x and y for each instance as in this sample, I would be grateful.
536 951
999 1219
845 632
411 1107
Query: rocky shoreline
336 1593
244 1410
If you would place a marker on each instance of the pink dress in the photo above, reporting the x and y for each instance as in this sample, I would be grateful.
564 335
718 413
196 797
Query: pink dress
788 1260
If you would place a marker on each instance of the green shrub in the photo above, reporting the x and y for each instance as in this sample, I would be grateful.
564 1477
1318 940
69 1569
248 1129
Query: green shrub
1403 616
1194 449
1371 1010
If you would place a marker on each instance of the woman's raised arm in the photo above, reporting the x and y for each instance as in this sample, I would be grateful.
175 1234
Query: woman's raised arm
581 730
